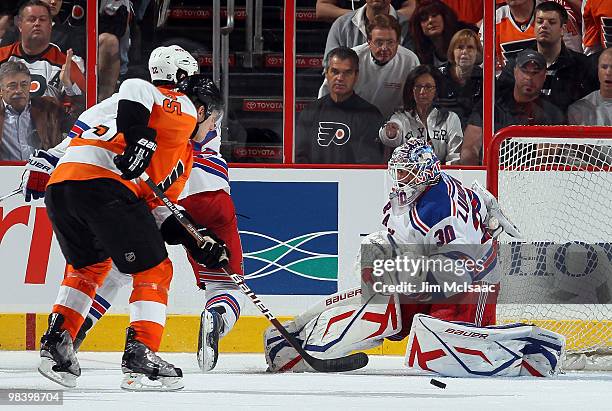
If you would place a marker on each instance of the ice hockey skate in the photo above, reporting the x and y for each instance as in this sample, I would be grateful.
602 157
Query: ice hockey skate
143 370
211 327
58 361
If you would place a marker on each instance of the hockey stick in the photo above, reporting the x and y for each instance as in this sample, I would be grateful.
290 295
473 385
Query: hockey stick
12 193
348 363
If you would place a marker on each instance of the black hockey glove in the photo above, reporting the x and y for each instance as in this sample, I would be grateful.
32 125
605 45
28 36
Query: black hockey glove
212 252
138 152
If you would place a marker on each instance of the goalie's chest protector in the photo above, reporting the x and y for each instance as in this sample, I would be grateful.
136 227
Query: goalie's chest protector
446 212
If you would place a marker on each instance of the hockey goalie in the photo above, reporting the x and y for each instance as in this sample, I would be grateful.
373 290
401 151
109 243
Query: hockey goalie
447 313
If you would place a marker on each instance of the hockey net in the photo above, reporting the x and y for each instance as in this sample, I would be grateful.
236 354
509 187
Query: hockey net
555 184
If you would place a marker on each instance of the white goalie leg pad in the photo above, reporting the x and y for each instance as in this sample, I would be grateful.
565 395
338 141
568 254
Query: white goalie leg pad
346 325
464 350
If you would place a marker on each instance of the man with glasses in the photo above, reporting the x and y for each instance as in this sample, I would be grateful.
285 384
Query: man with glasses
383 66
26 124
53 72
350 30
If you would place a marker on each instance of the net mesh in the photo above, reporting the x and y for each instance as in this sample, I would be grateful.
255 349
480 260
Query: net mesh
559 191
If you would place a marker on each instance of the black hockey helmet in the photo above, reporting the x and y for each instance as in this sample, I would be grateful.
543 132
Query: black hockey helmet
203 92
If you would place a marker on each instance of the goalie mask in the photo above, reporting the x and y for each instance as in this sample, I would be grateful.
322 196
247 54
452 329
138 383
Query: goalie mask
203 92
413 166
171 64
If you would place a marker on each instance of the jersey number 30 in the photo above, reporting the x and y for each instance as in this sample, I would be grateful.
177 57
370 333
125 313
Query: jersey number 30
445 235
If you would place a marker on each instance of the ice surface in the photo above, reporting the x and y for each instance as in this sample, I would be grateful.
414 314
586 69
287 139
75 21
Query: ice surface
240 382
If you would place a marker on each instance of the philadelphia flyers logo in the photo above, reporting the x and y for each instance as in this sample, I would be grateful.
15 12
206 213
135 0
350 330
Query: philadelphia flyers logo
38 85
332 132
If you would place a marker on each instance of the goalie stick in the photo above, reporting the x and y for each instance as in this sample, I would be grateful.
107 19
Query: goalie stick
12 193
348 363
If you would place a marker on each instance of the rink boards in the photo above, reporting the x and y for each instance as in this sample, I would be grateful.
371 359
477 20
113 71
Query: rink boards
300 230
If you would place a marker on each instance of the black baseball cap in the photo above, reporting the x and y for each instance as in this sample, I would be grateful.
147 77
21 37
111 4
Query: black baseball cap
528 55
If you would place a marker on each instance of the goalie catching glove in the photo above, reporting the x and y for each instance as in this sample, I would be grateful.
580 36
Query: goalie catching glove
138 152
37 173
211 253
497 222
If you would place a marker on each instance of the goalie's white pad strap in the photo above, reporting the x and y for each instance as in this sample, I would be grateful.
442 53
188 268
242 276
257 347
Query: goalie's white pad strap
335 332
464 350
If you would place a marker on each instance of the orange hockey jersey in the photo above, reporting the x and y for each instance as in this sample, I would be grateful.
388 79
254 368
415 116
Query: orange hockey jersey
596 25
90 153
44 69
510 37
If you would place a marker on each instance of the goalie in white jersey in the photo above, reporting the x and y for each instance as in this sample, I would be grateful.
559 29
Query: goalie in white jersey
433 217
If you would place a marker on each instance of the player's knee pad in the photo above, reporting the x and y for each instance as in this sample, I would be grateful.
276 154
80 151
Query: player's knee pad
335 332
460 350
152 284
227 297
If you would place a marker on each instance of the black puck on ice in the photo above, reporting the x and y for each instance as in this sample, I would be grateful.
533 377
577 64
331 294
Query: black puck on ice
437 383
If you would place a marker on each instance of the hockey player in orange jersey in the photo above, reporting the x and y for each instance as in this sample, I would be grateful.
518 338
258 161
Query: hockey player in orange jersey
101 211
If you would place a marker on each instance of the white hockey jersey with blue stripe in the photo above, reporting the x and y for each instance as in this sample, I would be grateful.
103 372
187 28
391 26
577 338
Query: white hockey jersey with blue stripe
210 172
450 215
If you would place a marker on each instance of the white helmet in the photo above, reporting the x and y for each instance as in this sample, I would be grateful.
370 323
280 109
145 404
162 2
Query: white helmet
166 61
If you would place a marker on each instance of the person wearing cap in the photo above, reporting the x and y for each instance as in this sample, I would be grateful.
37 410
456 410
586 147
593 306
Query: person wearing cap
569 76
521 105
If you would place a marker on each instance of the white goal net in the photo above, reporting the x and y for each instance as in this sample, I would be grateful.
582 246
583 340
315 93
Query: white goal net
558 191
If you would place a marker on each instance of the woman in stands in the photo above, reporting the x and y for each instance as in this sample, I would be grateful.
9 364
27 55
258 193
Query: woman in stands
432 26
460 87
420 119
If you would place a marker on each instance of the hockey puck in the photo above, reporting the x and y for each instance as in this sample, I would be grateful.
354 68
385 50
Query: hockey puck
437 383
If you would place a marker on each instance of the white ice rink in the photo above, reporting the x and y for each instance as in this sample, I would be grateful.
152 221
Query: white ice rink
240 382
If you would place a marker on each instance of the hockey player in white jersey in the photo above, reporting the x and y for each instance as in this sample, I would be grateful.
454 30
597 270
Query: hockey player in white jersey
447 223
206 197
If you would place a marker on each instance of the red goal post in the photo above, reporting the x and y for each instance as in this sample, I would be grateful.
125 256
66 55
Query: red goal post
555 184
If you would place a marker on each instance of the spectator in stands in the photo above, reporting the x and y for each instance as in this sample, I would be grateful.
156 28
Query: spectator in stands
330 10
596 25
113 19
522 105
514 29
441 128
8 10
596 108
432 26
460 86
26 123
53 72
383 65
568 76
340 127
350 30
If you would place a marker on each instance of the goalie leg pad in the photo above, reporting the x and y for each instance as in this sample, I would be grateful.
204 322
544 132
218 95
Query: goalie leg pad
334 332
457 349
